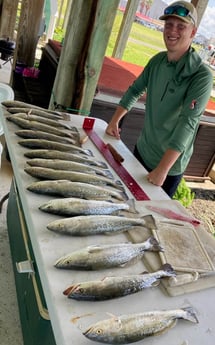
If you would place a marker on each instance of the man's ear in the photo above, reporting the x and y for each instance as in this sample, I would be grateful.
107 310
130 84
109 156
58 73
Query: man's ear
193 32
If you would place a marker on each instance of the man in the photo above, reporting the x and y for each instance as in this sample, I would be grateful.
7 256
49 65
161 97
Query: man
178 87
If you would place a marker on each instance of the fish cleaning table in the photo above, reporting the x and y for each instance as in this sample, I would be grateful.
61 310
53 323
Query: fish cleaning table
47 316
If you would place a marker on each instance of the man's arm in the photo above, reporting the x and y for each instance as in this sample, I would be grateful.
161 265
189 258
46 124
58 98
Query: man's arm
158 175
113 126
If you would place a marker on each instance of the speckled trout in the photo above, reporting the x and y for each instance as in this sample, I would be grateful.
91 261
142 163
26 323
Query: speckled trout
78 206
45 120
104 256
51 145
68 189
27 124
112 287
31 134
55 154
52 174
126 329
99 224
44 113
59 164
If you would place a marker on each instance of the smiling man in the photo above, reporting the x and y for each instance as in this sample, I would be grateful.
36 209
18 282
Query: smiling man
178 85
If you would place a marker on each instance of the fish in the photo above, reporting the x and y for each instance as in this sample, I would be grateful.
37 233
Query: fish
54 154
44 113
74 176
126 329
20 104
32 134
99 224
59 164
119 286
65 188
51 145
51 122
78 206
97 257
27 124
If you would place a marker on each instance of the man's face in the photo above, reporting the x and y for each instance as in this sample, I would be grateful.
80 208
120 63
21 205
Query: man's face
178 35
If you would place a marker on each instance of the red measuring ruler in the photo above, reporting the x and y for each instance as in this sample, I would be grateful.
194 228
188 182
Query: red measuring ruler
129 181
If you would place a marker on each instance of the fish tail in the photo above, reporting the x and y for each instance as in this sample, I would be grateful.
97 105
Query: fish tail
168 269
190 314
131 205
155 246
102 165
106 173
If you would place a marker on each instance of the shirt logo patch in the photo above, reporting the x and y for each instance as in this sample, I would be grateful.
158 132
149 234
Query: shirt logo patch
193 104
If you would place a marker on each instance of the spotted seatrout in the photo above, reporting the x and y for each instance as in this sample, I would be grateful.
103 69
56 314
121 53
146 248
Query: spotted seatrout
99 224
19 104
112 287
31 134
51 122
39 112
75 176
107 256
68 189
27 124
126 329
59 164
78 206
68 156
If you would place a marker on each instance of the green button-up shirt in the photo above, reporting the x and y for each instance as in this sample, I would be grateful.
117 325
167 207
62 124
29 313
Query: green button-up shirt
177 94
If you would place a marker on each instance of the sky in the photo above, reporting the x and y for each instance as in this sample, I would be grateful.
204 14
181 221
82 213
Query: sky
207 24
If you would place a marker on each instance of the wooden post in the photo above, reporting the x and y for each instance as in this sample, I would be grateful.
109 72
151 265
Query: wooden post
8 18
27 35
88 30
201 6
125 28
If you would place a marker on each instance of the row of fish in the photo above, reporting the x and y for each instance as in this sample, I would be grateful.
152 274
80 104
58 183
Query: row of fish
91 200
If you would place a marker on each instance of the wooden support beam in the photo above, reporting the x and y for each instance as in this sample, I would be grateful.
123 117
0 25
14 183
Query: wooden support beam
8 18
27 35
200 7
88 30
125 28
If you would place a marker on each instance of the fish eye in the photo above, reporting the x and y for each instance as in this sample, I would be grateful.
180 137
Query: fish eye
99 331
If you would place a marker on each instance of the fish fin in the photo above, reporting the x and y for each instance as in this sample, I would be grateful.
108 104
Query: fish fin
102 164
170 325
115 319
106 173
190 314
94 248
88 152
131 204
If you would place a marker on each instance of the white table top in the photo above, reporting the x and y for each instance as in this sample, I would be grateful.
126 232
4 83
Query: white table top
69 317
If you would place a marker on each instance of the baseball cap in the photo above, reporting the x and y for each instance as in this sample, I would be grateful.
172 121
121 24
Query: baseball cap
183 10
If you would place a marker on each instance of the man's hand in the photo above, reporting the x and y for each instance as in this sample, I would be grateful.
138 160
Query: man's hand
113 130
157 177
